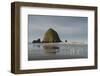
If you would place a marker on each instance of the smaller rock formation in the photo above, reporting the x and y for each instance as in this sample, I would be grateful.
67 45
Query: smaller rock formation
36 41
65 40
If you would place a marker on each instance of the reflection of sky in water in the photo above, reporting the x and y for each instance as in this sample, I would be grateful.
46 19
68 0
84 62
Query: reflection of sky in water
68 28
56 51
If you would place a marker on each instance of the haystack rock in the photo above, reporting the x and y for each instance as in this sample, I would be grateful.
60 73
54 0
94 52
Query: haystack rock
51 36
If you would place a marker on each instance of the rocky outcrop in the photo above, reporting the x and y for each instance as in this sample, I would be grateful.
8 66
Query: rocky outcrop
65 40
36 41
51 36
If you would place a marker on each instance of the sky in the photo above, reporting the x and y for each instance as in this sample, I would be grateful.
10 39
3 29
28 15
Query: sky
71 28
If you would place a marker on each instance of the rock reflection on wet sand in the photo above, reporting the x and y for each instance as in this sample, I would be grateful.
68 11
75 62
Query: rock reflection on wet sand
56 51
50 49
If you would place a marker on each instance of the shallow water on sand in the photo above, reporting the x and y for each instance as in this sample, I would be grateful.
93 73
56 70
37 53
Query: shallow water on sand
46 51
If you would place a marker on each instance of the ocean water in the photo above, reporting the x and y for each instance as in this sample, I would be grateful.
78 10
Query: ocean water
48 51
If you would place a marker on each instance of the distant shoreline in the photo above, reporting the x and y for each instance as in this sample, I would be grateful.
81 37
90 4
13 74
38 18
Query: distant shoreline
60 43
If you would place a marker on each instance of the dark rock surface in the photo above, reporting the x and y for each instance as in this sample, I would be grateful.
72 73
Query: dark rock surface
51 36
36 41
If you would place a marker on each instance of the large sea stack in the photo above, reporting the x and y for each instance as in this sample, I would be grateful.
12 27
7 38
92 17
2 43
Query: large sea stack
51 36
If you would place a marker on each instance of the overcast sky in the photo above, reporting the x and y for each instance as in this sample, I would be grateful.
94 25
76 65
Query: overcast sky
69 28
